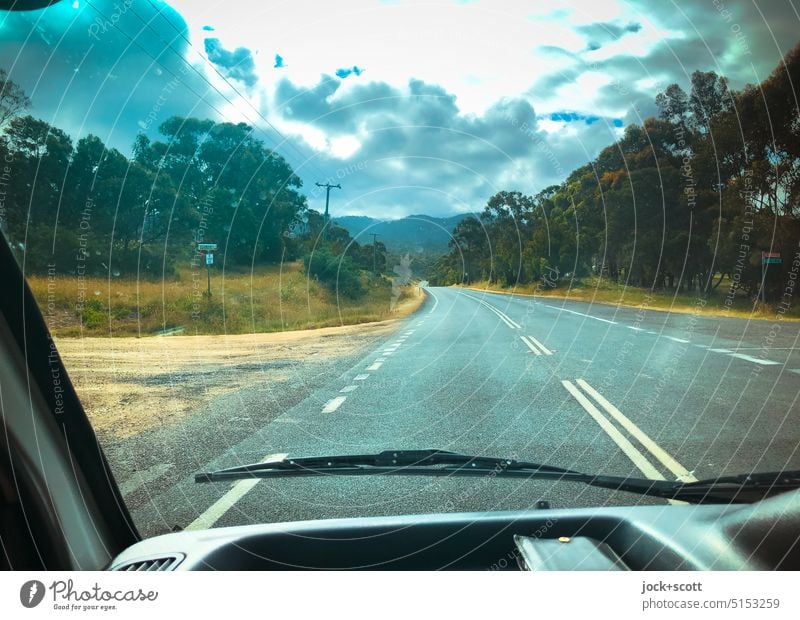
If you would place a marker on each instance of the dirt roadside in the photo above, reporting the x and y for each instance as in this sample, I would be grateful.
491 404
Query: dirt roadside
131 385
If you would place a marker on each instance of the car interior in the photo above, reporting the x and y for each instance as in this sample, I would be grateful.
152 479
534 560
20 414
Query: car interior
61 506
62 509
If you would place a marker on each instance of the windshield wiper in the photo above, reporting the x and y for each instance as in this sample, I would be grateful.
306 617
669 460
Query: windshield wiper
724 489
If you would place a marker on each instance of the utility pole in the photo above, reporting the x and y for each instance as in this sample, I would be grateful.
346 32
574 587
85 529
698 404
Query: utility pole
374 237
328 187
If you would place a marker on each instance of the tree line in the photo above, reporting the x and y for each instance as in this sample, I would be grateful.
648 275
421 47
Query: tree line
679 202
84 208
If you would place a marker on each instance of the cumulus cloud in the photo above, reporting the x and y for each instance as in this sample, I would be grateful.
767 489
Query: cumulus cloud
418 153
237 64
424 135
347 71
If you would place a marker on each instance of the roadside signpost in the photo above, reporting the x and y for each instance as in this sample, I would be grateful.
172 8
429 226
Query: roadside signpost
767 258
208 250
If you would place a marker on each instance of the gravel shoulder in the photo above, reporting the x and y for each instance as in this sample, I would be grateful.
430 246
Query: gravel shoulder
163 407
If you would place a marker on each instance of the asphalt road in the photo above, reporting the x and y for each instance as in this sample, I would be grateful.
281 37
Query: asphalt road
590 387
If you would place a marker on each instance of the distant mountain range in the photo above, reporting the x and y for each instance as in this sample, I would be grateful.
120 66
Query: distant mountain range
415 233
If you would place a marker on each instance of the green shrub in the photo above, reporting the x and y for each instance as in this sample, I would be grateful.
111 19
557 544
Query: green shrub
338 273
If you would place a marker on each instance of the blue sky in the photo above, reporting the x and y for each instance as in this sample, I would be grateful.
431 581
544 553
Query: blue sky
413 107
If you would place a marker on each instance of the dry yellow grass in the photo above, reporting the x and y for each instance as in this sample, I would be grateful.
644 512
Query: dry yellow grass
128 385
601 291
267 300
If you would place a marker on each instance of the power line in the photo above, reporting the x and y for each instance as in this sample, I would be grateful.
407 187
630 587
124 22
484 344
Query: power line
192 90
374 247
159 11
328 188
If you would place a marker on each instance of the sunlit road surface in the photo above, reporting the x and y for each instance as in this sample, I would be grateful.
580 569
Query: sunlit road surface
594 388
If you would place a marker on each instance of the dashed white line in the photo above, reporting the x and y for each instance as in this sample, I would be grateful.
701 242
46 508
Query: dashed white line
375 366
360 377
755 360
348 388
677 339
333 404
588 316
721 350
224 503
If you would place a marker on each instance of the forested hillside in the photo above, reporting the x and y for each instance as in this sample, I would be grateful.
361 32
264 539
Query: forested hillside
681 201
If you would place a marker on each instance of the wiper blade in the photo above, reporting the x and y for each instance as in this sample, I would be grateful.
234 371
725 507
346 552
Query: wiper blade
726 489
389 462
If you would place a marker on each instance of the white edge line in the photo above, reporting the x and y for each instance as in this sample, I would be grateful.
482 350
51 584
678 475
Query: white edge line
214 512
755 360
333 404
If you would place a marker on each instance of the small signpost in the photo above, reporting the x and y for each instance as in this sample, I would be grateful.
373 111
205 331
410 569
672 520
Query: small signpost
208 250
767 258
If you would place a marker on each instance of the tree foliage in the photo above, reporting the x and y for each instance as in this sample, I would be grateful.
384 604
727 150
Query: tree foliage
681 200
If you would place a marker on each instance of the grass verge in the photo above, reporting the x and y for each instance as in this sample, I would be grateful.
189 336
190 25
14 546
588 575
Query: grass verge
269 299
602 291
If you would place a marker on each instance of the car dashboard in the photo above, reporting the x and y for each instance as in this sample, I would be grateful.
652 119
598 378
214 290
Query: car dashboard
641 538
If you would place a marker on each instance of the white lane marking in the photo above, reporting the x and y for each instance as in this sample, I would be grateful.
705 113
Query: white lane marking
224 503
143 477
375 366
721 350
795 370
643 438
409 332
360 377
755 360
588 316
544 349
385 353
638 459
530 345
503 316
637 329
507 319
333 404
348 388
677 339
435 301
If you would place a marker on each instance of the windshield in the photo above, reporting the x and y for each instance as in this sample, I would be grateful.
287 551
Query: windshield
565 234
